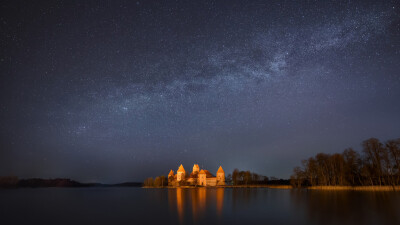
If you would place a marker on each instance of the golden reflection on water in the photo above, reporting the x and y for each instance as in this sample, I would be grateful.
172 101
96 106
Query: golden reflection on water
179 204
220 200
201 200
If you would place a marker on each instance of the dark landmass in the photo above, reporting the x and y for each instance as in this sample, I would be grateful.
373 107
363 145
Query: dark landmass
37 182
378 164
278 182
128 184
236 179
14 182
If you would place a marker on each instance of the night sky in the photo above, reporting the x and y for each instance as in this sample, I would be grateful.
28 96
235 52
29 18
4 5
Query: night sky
120 91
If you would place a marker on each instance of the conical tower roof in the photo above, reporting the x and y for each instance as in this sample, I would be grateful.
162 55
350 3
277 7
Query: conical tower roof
196 168
171 173
220 170
181 169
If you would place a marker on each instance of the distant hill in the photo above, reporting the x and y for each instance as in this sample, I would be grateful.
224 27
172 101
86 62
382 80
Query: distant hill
14 182
59 182
128 184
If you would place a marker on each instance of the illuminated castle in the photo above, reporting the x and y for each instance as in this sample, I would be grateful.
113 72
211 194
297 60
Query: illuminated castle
197 177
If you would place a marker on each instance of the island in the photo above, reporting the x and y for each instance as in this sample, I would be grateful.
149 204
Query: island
196 177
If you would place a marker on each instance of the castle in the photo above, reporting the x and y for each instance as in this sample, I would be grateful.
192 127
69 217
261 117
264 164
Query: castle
197 177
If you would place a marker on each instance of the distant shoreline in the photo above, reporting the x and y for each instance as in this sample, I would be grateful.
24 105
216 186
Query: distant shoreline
355 188
322 188
14 182
229 186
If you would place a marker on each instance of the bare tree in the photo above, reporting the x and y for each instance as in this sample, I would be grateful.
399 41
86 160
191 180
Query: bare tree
377 165
228 179
149 182
235 177
297 179
373 150
352 166
393 147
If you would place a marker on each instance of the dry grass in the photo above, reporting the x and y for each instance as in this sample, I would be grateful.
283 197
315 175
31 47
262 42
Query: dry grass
260 186
281 186
357 188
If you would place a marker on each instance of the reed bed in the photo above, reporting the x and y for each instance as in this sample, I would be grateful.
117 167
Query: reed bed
260 186
356 188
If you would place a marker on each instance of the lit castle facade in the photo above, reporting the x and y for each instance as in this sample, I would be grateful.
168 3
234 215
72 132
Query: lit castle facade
197 177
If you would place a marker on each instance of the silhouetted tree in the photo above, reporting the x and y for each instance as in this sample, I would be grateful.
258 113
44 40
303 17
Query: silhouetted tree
235 177
228 179
298 177
310 172
160 181
373 151
265 179
9 181
247 177
393 147
352 166
149 182
170 179
378 165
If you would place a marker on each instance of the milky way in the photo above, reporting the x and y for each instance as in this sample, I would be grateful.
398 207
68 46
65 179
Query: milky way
118 91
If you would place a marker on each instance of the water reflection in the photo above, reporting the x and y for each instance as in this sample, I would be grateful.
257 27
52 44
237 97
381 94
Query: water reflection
197 206
348 207
196 203
232 205
179 204
220 200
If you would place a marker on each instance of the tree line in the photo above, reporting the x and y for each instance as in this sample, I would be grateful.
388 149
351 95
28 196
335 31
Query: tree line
250 178
377 164
246 178
160 181
9 181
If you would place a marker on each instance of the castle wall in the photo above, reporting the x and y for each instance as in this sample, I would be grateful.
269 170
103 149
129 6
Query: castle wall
212 181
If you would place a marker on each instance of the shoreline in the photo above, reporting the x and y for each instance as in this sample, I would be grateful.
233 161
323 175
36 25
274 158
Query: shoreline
320 188
317 188
231 186
355 188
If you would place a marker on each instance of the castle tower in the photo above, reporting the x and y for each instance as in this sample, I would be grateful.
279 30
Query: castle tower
181 173
196 168
171 174
202 178
220 175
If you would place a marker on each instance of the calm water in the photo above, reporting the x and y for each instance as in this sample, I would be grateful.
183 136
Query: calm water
196 206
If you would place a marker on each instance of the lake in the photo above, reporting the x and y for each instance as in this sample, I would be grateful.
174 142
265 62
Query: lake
196 206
